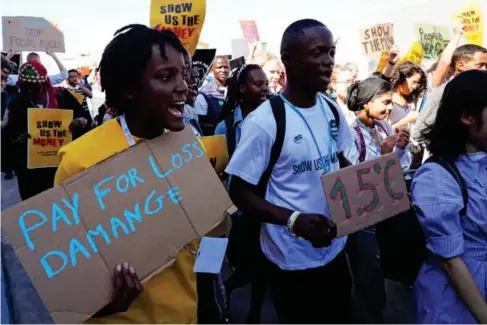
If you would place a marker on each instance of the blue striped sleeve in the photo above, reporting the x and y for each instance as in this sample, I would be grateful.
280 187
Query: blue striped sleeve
437 201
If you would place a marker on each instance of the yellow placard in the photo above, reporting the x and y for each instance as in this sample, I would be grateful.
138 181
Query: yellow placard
383 61
216 149
414 55
184 17
49 131
78 97
472 20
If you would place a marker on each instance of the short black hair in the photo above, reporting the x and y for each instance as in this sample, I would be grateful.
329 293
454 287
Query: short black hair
33 53
73 70
217 58
447 137
295 31
125 59
465 52
406 70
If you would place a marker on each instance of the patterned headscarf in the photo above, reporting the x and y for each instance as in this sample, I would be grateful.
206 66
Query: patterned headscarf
35 73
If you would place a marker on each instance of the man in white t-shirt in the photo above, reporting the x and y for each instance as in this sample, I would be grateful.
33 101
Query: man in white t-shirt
308 275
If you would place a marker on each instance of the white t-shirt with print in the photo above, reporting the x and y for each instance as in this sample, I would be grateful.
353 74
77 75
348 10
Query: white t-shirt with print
295 181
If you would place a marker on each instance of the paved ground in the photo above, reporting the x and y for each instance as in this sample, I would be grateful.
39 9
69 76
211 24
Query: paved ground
399 305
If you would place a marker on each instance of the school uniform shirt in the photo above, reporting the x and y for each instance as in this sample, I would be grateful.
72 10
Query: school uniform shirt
372 148
221 128
170 296
295 181
437 198
191 118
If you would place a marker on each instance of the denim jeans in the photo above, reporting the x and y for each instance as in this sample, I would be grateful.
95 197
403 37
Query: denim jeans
369 286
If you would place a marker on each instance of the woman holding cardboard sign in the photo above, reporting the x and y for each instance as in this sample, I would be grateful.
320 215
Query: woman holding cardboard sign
374 137
147 96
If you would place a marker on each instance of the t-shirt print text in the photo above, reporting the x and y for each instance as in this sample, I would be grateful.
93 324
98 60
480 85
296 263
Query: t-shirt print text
314 165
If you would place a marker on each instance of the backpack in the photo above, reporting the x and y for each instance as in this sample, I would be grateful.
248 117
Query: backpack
401 240
278 104
244 236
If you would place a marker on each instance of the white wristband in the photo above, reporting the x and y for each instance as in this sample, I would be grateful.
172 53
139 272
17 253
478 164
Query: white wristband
291 220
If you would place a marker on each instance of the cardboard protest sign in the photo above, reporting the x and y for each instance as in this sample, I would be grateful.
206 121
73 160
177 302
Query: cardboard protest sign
49 131
216 149
141 206
383 61
472 19
184 17
414 55
433 38
249 30
31 34
377 38
362 195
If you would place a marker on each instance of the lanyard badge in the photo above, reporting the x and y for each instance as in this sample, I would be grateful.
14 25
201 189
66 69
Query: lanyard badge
326 166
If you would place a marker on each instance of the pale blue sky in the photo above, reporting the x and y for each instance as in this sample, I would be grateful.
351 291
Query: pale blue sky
88 25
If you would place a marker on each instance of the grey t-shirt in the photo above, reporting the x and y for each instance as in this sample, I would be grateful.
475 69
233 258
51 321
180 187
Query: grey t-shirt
427 116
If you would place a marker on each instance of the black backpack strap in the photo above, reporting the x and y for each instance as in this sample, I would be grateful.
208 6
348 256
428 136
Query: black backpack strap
230 135
334 109
277 105
453 170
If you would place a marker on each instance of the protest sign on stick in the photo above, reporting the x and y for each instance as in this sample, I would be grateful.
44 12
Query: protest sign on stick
249 30
141 206
31 34
184 17
362 195
49 131
376 39
383 61
472 20
215 147
433 38
415 54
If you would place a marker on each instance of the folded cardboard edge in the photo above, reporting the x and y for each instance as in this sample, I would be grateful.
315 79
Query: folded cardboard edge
74 178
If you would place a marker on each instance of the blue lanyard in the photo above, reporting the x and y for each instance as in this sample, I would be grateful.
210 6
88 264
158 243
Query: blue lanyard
326 167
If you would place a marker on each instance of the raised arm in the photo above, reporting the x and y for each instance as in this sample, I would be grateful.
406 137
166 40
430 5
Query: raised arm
443 66
60 65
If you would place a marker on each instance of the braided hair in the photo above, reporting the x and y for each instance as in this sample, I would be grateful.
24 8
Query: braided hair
125 59
234 96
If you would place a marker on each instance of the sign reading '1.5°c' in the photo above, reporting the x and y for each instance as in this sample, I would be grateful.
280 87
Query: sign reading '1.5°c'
365 194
